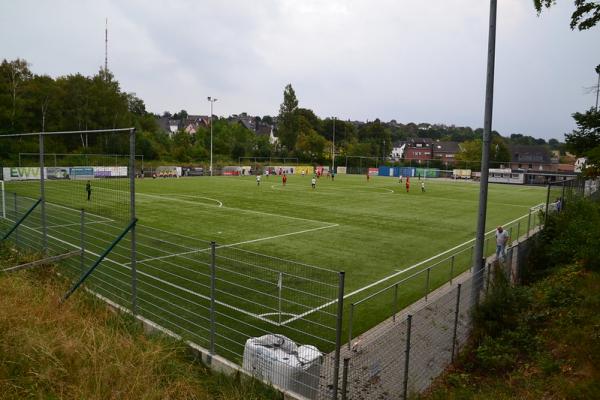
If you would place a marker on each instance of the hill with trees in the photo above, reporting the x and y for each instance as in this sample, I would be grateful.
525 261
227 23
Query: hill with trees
32 103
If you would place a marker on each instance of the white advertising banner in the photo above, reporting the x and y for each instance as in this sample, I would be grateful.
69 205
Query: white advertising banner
33 173
21 173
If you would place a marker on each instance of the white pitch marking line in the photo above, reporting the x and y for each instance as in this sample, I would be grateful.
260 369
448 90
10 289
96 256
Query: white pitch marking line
227 208
278 236
145 260
325 189
166 282
77 224
72 209
220 203
393 275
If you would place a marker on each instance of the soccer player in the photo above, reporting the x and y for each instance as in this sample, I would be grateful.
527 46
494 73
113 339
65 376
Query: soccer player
422 187
368 176
88 189
407 184
400 179
303 171
257 179
284 179
313 182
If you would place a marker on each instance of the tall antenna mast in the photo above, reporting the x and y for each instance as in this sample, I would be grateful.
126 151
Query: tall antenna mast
106 48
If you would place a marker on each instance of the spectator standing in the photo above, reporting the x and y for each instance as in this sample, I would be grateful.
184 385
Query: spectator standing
501 241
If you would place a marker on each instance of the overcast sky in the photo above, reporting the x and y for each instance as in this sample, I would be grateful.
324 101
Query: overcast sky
409 60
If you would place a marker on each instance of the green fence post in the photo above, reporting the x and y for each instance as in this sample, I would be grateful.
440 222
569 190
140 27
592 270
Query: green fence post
82 240
406 357
456 314
338 335
213 279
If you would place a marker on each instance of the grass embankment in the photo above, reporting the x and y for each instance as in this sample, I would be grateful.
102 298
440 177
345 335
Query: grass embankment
82 350
541 340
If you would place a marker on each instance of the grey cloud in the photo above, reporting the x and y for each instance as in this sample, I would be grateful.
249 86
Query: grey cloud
357 59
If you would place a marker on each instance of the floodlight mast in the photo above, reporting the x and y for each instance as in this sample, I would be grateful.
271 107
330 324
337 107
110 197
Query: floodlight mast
212 101
485 152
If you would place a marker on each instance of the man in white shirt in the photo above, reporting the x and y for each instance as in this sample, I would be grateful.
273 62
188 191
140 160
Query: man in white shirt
501 241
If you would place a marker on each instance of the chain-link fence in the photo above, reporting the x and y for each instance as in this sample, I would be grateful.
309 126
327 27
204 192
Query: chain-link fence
70 198
275 319
402 355
405 353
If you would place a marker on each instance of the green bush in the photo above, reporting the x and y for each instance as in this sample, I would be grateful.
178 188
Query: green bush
499 312
573 234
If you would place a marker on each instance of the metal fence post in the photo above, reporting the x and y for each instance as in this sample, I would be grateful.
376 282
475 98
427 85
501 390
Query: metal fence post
213 270
351 316
451 269
345 379
279 289
132 218
82 240
470 258
518 231
16 218
487 283
528 223
43 197
486 247
3 199
427 283
478 282
511 262
338 334
406 357
456 313
547 203
395 301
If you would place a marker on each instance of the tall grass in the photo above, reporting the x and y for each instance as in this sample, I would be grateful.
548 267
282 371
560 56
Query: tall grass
82 350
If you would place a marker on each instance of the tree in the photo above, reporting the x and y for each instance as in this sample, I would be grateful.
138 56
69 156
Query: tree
309 144
470 151
13 77
585 140
182 144
135 105
587 136
499 152
554 144
585 16
287 120
180 115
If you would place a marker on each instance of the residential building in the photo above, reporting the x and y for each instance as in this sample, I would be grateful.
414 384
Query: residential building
446 151
531 158
418 149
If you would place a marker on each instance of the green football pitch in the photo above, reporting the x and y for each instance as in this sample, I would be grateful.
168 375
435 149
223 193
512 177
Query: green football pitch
367 229
372 230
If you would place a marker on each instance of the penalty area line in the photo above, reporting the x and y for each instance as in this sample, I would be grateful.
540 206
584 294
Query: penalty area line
279 236
242 210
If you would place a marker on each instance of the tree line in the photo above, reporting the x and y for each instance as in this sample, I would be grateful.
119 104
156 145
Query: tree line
33 103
